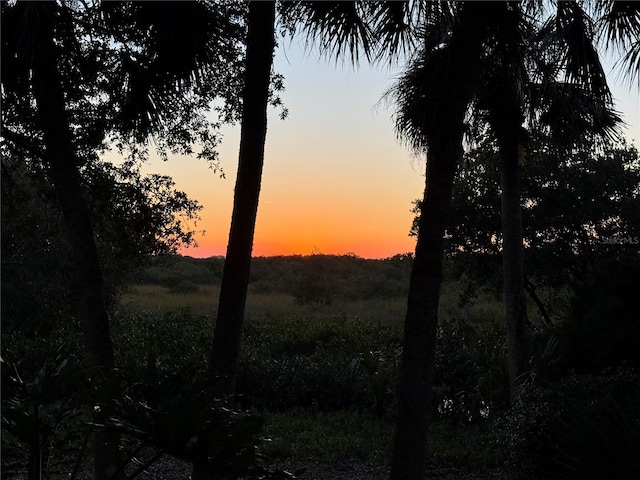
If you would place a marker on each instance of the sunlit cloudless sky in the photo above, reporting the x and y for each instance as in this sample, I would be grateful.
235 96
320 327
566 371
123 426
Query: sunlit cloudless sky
336 180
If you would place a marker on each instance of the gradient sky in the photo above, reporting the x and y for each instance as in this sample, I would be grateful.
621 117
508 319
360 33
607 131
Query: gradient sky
336 180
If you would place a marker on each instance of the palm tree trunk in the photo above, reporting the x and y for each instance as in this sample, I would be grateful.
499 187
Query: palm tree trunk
421 321
223 360
518 341
237 264
444 131
61 158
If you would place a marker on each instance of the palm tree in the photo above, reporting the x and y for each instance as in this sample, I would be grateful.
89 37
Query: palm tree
518 66
504 90
521 58
432 98
225 350
235 276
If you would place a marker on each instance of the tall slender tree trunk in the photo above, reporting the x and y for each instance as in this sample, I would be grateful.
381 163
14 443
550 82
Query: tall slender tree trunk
506 117
237 264
223 360
421 321
444 131
518 335
61 158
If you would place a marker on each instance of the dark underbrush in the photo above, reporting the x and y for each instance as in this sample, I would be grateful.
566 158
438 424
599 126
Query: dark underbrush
317 386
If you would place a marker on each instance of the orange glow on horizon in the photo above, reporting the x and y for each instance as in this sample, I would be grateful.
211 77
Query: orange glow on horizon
306 245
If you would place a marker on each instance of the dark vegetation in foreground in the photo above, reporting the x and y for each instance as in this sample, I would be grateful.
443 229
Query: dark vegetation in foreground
318 375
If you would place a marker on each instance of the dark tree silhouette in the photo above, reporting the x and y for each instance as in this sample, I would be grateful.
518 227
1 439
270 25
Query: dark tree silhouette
525 58
223 360
522 61
433 97
235 275
39 21
504 85
132 93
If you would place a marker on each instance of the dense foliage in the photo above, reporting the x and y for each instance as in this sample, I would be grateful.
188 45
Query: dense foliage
319 360
322 279
127 74
134 217
580 208
577 427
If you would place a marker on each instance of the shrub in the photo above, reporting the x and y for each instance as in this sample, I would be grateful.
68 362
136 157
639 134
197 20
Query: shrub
289 363
377 365
471 380
172 408
604 326
41 416
174 338
578 427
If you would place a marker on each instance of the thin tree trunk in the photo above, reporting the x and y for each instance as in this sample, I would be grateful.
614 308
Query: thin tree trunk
506 119
518 341
237 264
61 158
223 360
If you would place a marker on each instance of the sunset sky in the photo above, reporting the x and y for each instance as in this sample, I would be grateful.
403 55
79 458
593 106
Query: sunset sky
336 180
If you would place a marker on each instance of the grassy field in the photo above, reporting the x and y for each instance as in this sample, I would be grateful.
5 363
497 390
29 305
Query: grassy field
322 375
204 301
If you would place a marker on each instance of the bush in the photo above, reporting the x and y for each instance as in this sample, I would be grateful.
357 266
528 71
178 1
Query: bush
42 416
333 363
585 427
46 424
288 363
378 366
604 327
471 380
174 338
171 408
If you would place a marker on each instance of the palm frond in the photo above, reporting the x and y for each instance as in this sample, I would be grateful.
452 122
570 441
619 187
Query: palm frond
581 62
399 26
569 113
393 28
631 62
340 29
619 26
414 96
168 49
618 22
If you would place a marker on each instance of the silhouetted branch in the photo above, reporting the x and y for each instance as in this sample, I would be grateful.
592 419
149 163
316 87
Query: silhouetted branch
531 290
23 142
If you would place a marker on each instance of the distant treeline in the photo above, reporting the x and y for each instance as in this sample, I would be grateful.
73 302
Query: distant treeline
313 278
